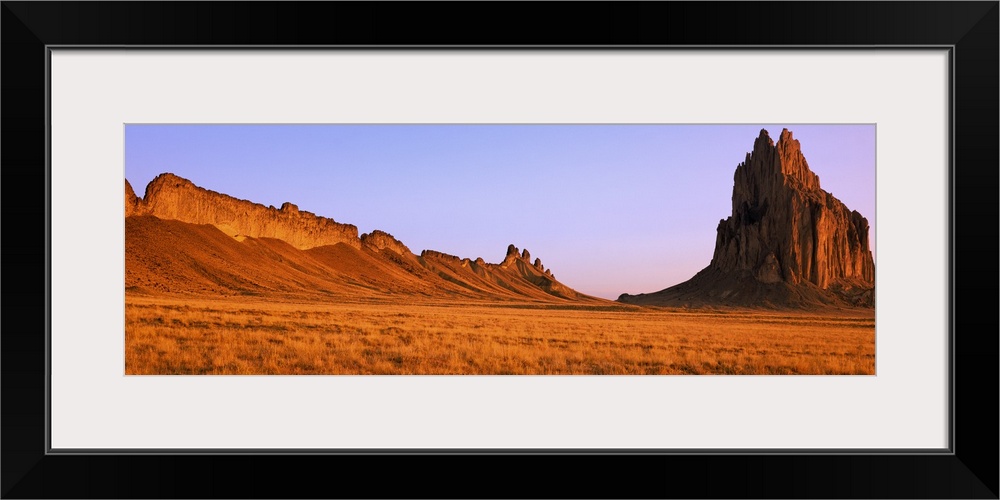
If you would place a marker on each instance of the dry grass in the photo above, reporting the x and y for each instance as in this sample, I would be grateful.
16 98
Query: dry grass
182 336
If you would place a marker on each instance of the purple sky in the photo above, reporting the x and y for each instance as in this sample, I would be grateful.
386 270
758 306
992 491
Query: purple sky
610 209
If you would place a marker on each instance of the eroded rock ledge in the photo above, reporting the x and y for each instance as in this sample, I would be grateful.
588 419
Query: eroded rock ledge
171 197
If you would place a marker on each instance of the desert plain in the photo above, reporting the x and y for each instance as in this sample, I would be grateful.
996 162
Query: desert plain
220 285
249 336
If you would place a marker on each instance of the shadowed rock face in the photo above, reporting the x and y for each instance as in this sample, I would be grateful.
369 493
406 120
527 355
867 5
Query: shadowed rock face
785 235
785 228
171 197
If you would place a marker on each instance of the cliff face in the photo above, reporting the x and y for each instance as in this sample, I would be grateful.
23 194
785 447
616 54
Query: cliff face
787 242
171 197
303 257
132 202
785 228
382 240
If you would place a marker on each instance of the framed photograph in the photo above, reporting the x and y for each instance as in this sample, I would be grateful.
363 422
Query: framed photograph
322 256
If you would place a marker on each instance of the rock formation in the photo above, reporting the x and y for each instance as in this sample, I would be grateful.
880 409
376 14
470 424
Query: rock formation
785 228
787 242
171 197
440 255
382 240
225 245
511 257
132 201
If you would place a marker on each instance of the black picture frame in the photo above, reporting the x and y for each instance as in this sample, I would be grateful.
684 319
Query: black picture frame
970 29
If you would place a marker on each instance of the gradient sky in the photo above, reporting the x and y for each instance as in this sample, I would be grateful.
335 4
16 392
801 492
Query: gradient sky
610 209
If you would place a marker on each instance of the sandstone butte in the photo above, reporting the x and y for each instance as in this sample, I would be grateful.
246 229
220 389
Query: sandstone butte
171 197
787 243
375 260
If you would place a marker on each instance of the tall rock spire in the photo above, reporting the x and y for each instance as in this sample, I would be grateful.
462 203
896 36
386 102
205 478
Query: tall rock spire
784 232
785 227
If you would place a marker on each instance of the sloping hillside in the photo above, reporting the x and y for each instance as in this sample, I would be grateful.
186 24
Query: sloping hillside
223 249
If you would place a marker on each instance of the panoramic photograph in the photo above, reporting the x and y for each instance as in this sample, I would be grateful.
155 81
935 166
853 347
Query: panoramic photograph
499 249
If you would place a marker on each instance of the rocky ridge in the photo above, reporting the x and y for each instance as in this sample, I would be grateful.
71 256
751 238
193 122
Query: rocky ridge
171 197
382 240
371 261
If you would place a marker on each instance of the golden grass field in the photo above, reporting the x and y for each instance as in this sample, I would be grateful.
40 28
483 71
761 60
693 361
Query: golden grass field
252 336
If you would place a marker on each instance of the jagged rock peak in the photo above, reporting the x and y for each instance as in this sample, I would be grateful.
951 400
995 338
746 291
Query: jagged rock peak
763 141
132 202
771 163
129 192
512 255
786 243
785 228
793 163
